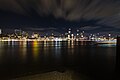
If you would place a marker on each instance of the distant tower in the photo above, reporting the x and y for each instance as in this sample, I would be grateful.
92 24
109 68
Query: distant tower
0 31
69 32
77 34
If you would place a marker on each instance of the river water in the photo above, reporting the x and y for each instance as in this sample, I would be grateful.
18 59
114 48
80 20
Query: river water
23 58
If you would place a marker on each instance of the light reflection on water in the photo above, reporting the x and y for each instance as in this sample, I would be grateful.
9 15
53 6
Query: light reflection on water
23 56
35 49
107 45
23 50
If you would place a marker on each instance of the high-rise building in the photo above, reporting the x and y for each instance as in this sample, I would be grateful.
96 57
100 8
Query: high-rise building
69 31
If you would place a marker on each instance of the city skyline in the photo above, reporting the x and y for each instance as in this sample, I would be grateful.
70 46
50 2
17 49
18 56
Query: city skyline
49 31
69 35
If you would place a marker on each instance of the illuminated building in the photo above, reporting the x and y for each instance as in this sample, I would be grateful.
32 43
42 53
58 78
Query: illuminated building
77 36
72 35
68 37
24 36
69 31
35 35
69 34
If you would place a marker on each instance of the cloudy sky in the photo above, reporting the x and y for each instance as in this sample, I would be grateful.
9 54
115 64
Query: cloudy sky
89 15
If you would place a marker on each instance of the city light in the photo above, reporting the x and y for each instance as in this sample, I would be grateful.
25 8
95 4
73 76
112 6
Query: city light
20 35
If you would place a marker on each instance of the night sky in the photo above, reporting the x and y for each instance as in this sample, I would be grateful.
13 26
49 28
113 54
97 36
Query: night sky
89 15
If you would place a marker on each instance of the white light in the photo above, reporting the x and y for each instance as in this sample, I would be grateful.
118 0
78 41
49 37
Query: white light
109 34
82 36
77 30
72 35
68 36
69 31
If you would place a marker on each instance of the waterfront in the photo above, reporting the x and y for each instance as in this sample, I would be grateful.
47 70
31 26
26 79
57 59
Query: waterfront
20 58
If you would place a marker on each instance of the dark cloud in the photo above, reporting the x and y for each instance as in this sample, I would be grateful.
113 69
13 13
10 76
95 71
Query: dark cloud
106 11
41 29
89 27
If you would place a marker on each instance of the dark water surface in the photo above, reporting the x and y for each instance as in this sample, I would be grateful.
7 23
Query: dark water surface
23 58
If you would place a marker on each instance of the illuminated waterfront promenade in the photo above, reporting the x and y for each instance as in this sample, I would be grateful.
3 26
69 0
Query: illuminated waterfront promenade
101 41
42 39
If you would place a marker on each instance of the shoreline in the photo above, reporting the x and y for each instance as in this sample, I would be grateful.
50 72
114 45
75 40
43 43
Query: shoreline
54 75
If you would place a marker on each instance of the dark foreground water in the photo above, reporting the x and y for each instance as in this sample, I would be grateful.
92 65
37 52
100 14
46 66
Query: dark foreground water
26 58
